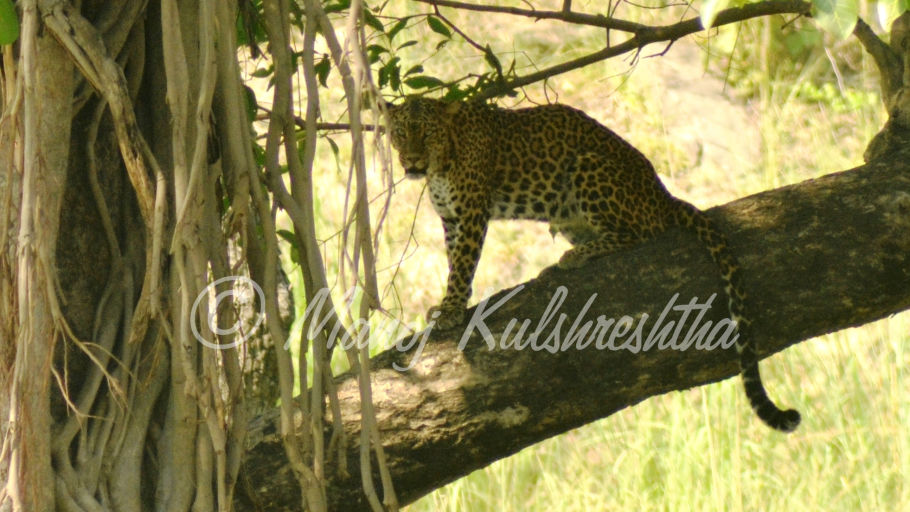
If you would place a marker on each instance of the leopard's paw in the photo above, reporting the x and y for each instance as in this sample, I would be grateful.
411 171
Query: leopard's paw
445 316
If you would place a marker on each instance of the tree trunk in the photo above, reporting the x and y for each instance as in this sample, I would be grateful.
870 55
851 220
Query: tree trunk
108 401
844 236
47 73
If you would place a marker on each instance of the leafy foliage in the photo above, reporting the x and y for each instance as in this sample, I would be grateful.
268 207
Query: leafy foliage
888 11
837 17
9 22
387 36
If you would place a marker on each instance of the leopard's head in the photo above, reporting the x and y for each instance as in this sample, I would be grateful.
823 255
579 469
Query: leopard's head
418 129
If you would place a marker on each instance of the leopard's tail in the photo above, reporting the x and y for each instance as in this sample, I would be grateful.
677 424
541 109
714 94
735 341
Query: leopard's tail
695 220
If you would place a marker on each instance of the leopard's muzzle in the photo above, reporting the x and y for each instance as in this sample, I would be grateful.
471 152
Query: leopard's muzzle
415 165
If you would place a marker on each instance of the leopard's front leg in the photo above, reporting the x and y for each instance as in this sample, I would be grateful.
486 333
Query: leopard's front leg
464 241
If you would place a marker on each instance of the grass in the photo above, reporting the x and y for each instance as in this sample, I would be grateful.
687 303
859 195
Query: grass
700 449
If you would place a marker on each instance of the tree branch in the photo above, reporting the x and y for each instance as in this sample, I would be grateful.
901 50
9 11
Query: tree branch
893 62
596 20
886 59
847 236
646 36
301 123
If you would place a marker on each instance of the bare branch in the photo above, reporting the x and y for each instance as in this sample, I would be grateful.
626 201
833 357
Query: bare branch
648 35
320 127
596 20
458 31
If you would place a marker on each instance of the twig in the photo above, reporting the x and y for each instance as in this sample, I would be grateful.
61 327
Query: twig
596 20
301 123
458 31
646 36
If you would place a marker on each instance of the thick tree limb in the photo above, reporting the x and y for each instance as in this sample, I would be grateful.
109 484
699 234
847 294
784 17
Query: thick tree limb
888 61
818 256
893 62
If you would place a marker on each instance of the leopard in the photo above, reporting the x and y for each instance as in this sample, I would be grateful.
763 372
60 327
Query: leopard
553 163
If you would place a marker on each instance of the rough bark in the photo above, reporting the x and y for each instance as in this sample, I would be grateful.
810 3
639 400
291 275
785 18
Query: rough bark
893 62
48 91
818 256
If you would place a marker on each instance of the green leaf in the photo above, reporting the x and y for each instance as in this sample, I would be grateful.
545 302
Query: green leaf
395 77
406 44
455 93
709 10
322 69
374 51
423 82
333 145
339 6
396 28
259 73
9 22
390 73
288 236
416 69
889 10
252 107
393 62
838 17
438 26
371 20
259 155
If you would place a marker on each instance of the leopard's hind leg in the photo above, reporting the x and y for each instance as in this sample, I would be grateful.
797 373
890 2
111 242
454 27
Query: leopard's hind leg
608 217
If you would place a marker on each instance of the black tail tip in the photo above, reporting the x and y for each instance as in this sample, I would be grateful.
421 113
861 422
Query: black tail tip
785 421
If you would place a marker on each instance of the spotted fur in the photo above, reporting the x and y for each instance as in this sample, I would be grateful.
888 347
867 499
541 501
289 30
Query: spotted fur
552 163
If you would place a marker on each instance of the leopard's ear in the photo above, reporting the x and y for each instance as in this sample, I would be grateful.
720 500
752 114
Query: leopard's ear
385 105
381 104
